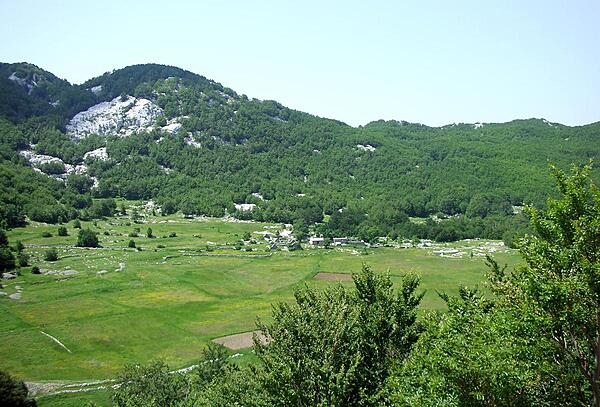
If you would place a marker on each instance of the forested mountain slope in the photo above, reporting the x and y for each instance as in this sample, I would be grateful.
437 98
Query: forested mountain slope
162 133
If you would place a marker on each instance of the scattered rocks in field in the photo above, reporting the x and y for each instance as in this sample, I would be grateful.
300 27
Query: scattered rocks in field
2 294
69 272
9 276
102 272
15 296
121 267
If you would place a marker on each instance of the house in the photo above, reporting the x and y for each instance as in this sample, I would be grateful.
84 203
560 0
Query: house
338 241
316 241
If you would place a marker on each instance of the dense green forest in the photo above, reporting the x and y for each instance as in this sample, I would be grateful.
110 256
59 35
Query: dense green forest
464 180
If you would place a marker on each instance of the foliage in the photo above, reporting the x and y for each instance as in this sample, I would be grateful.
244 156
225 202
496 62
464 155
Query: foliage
51 255
336 347
87 238
295 167
560 283
535 342
149 386
62 231
13 393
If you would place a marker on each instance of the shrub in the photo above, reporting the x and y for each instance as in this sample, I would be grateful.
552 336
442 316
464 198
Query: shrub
77 224
13 392
19 246
149 233
51 255
62 231
23 259
173 234
46 234
131 244
36 270
133 234
87 238
7 259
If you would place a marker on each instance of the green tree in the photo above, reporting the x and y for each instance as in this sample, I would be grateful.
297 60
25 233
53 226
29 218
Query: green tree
62 231
150 386
13 393
560 283
87 238
149 233
336 347
51 255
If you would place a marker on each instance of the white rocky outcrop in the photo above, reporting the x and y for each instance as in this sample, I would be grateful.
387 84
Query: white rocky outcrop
367 147
121 116
245 207
38 160
24 82
99 154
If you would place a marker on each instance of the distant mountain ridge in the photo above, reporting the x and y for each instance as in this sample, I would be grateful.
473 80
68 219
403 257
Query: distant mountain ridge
159 132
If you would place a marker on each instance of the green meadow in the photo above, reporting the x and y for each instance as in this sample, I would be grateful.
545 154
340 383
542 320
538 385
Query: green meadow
174 292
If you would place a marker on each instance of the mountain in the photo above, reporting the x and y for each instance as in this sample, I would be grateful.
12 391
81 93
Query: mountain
162 133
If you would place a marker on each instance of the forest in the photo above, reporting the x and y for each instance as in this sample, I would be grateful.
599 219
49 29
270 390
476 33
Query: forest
385 179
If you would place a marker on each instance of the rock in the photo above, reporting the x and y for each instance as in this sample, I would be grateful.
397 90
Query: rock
120 116
69 272
8 276
15 296
2 294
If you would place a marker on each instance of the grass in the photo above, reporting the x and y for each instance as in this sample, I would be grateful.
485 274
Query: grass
176 294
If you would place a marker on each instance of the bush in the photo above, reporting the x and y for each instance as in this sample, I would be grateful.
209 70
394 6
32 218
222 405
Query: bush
51 255
23 259
13 392
19 246
131 244
7 259
87 238
173 234
46 234
36 270
149 233
62 231
76 224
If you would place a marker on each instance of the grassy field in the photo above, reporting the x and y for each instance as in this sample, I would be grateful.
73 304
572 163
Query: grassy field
116 305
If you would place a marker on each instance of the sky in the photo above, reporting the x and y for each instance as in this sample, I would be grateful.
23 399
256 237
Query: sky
431 62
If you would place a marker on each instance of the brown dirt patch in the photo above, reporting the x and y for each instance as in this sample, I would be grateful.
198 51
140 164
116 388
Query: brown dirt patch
333 276
239 341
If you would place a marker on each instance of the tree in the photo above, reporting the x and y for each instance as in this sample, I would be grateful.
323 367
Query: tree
336 347
149 386
51 255
560 283
87 238
7 259
62 231
13 393
149 233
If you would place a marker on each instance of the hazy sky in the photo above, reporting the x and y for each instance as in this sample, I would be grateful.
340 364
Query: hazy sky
433 62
